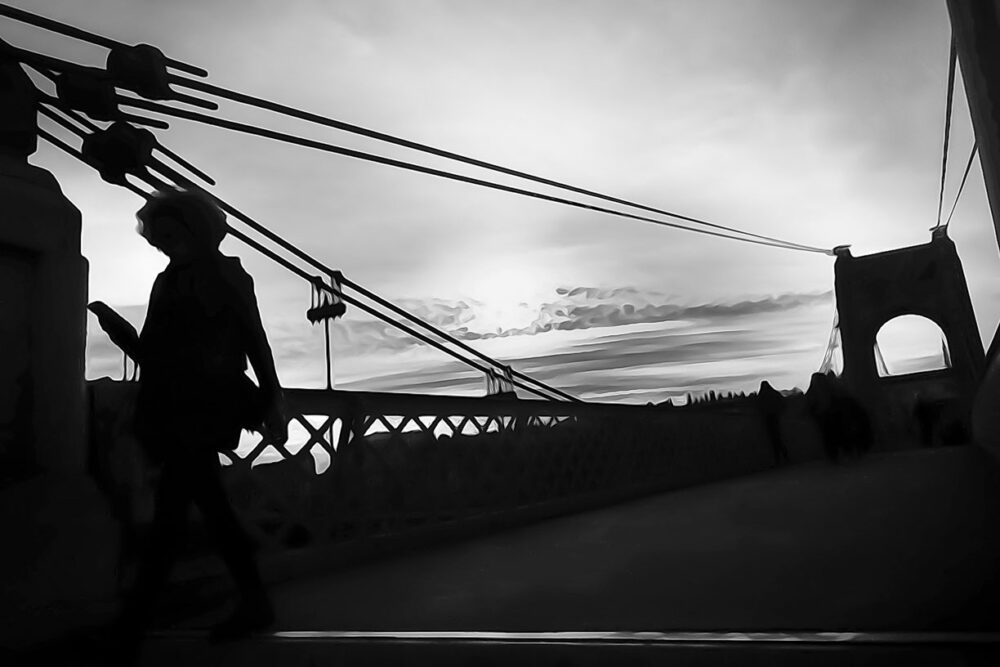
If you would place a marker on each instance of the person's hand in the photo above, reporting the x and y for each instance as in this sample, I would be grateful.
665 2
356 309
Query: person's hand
119 330
276 422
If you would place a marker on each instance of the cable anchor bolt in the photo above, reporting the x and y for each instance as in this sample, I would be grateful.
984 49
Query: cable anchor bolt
118 150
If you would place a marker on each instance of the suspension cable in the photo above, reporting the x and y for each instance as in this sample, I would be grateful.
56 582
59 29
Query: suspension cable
83 35
268 105
952 59
396 309
369 157
346 282
357 287
53 25
961 186
291 248
240 127
66 148
89 125
218 91
749 237
157 183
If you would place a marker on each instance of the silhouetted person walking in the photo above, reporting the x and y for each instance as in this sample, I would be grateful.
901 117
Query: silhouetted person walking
194 397
843 422
770 404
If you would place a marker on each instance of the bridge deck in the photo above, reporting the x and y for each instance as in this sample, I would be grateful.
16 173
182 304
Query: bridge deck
905 541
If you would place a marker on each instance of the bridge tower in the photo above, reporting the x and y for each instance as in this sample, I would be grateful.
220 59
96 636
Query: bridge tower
925 280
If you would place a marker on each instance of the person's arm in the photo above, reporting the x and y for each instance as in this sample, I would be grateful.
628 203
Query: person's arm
259 349
119 330
260 355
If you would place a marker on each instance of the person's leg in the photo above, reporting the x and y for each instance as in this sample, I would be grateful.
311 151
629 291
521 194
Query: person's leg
254 611
161 545
234 544
156 558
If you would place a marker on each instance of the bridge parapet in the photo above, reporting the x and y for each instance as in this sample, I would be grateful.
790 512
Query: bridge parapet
359 467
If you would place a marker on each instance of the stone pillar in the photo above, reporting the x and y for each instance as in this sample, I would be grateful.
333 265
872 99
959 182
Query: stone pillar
976 26
43 297
59 563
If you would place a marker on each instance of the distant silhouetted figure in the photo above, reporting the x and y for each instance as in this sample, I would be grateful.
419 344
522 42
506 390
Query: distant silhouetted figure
194 397
843 422
770 404
927 414
940 423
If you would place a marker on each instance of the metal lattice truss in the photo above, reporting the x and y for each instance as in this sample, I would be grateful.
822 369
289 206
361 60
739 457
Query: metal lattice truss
365 465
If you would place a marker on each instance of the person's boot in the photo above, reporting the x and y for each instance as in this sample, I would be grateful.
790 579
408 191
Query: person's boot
251 616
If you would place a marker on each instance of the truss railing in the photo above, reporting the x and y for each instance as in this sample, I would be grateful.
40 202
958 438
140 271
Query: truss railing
360 465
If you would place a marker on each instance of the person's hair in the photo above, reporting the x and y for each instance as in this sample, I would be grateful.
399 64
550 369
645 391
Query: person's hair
195 211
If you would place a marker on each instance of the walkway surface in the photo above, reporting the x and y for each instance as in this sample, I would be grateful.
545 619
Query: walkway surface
896 542
908 541
904 542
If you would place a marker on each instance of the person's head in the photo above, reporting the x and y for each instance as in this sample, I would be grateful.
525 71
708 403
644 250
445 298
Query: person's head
182 224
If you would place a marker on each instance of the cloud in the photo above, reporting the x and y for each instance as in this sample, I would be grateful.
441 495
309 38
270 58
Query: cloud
649 363
606 344
592 307
574 308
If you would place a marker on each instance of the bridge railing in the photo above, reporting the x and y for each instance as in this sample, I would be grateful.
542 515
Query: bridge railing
360 465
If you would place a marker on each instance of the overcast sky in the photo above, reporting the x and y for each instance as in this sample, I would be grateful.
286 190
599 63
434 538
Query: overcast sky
817 122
